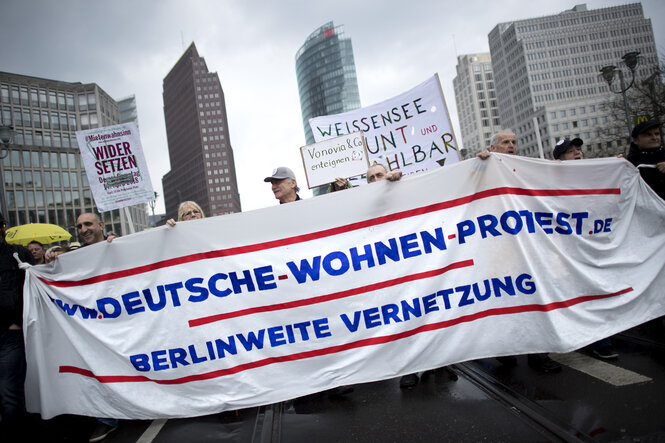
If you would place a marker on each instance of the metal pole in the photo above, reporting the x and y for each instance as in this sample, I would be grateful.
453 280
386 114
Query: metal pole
538 140
625 103
3 197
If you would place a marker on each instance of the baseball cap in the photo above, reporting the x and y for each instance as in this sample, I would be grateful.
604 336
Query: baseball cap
280 173
577 142
560 148
644 126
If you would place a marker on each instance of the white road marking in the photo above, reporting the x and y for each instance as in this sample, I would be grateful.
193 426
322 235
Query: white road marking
152 431
601 370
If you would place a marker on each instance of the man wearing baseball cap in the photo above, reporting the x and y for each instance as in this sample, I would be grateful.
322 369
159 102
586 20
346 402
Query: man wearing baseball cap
567 149
646 149
284 186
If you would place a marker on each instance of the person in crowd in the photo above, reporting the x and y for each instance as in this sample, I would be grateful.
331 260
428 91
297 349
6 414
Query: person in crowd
647 153
376 172
567 149
90 228
285 189
187 210
505 142
647 149
12 348
38 251
284 185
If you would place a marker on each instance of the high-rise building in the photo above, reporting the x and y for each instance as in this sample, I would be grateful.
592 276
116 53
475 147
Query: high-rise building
477 104
44 179
326 74
127 110
202 165
546 71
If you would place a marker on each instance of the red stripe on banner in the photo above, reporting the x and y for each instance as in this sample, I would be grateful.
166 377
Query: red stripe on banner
329 297
329 232
345 347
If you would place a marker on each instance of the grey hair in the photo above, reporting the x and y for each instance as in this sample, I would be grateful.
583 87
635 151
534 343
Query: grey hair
495 137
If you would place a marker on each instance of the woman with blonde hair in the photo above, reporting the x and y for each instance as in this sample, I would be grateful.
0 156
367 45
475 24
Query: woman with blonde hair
188 210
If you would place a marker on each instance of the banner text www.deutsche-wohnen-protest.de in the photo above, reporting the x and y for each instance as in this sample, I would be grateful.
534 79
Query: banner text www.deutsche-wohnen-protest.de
481 258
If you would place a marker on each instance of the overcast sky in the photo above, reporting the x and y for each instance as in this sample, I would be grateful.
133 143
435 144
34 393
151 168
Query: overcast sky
128 47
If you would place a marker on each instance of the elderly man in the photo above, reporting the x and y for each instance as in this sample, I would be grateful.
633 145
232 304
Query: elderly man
505 142
12 350
647 149
284 186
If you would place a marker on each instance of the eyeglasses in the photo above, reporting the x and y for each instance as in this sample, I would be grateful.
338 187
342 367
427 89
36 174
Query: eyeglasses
192 212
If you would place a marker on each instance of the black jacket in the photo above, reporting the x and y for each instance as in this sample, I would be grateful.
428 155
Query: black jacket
11 284
652 176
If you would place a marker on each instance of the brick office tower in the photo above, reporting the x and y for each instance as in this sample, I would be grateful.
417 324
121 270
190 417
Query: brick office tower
202 165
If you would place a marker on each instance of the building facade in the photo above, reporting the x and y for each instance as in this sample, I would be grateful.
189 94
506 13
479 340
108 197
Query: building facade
128 111
477 103
547 75
326 73
44 178
202 164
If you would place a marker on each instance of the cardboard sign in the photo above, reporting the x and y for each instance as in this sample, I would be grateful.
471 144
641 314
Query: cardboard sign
344 156
411 132
115 166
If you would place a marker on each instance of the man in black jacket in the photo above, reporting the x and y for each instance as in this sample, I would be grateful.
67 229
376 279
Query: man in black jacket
647 149
12 350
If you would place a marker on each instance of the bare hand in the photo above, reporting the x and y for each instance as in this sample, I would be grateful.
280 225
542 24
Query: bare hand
340 183
52 253
661 167
170 222
484 155
110 238
394 176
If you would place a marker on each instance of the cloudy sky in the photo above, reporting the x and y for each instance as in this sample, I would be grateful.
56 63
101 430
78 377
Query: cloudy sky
128 47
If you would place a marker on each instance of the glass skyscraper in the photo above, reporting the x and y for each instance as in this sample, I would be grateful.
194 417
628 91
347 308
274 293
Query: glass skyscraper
326 74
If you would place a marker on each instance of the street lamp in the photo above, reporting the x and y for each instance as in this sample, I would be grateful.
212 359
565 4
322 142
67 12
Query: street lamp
630 59
6 136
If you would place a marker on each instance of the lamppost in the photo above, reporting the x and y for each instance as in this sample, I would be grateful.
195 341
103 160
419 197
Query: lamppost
6 136
630 59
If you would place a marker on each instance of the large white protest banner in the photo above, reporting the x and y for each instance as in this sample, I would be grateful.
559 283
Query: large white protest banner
115 166
411 131
483 258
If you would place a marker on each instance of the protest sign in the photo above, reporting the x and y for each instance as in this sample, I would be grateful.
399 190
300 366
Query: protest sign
411 132
483 258
115 166
344 156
